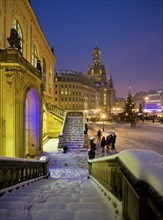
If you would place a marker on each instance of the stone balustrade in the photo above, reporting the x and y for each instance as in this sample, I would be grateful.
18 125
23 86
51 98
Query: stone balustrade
55 110
17 170
141 197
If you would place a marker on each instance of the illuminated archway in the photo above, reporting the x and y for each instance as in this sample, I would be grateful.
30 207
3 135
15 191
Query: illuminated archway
32 122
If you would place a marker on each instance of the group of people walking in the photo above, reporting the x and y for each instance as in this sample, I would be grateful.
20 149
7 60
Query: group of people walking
109 141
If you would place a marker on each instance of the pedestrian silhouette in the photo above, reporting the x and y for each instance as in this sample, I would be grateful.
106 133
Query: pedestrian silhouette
103 143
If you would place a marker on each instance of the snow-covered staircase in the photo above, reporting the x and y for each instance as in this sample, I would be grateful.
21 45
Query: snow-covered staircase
73 134
68 194
56 199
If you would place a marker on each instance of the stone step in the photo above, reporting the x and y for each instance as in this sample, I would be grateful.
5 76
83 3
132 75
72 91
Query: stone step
56 199
72 144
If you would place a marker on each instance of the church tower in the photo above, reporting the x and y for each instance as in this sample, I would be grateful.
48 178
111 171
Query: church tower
96 71
98 75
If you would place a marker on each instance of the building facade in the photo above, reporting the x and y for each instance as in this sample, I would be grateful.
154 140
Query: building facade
97 74
154 101
93 92
74 91
26 79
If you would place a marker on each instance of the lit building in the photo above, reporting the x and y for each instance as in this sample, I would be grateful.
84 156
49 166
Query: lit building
26 80
154 101
74 91
98 75
93 92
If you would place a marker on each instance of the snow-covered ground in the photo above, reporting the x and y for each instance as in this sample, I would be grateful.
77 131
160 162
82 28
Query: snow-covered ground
147 136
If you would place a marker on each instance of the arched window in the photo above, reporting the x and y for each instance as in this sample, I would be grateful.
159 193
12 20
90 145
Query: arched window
50 80
18 28
44 74
34 56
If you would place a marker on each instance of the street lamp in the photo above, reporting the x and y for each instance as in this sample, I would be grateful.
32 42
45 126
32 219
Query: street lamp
103 117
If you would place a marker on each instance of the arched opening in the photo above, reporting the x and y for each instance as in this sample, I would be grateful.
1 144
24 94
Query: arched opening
32 122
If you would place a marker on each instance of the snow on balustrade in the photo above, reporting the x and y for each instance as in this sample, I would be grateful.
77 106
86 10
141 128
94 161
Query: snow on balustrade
20 159
145 165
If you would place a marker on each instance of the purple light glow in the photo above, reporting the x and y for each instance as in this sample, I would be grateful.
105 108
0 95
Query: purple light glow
32 119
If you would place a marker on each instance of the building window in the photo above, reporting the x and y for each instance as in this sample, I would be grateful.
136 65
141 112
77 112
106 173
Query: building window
50 80
44 74
19 31
34 56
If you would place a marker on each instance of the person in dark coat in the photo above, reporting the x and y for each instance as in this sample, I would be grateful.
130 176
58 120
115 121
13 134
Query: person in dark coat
108 141
112 141
103 143
91 151
99 135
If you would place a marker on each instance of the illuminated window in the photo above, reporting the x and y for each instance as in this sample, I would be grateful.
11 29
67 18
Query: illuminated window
19 31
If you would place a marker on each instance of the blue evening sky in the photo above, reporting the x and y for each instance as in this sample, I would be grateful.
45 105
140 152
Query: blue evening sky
129 35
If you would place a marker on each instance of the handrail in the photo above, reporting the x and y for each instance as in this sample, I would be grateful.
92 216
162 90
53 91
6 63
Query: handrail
17 170
55 110
115 176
